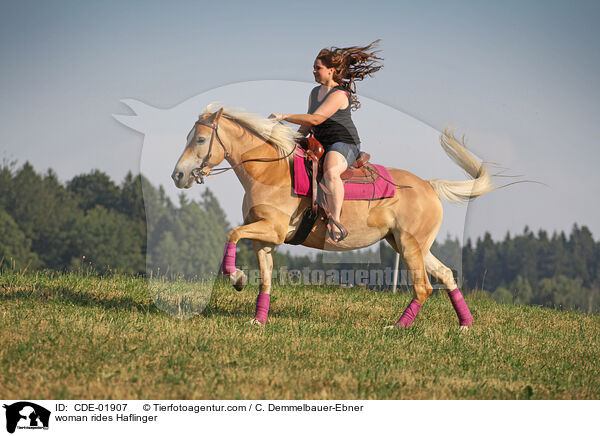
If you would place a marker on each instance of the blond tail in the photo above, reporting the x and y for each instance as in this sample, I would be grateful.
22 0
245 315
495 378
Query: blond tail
462 192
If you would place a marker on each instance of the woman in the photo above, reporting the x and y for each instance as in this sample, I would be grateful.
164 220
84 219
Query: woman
328 118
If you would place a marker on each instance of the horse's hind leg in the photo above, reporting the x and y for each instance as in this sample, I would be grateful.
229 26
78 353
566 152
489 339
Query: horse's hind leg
444 275
412 258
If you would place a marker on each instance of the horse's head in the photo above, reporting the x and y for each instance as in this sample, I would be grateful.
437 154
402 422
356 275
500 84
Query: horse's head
204 150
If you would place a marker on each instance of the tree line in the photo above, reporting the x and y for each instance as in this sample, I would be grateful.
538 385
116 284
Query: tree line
91 223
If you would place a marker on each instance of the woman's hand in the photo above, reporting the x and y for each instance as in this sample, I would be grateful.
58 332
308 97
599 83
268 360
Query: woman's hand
277 117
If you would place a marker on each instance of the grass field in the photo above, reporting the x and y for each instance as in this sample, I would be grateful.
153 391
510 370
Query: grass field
72 336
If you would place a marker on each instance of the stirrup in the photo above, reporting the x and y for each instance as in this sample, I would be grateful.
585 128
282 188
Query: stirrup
341 229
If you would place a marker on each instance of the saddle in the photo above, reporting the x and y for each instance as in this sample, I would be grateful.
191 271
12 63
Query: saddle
360 171
363 180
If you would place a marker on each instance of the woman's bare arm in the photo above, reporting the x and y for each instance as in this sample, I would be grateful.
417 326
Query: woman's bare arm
330 106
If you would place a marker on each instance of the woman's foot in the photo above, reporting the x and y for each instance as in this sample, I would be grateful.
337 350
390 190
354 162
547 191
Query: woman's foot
337 232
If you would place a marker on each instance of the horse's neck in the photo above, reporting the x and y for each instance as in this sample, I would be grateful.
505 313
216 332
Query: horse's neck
249 171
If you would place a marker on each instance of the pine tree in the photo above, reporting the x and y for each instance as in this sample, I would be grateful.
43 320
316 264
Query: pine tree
487 268
192 246
468 268
15 247
110 241
46 213
95 189
526 253
581 248
131 202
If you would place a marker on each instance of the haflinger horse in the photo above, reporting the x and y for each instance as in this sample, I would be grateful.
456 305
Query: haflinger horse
260 152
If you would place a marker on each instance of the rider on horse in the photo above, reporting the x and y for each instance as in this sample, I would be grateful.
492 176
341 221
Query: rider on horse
329 120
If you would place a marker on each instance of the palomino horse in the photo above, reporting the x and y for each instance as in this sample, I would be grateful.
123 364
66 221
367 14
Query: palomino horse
260 152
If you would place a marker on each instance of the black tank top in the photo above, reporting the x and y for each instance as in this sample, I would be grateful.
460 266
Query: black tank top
337 128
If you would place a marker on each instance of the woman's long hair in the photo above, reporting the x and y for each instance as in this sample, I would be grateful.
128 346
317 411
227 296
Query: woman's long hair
351 65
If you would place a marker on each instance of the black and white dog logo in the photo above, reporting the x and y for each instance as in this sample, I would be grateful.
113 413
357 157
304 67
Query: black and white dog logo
26 415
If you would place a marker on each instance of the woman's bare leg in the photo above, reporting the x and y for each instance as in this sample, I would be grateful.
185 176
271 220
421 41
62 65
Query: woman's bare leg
333 166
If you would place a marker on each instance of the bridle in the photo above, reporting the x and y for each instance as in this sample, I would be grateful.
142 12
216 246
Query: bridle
199 173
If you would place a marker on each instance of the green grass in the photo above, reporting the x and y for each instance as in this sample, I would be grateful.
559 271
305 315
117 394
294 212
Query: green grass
72 336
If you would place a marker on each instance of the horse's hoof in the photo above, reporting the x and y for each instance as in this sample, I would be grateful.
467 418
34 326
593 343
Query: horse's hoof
463 328
393 326
255 322
238 280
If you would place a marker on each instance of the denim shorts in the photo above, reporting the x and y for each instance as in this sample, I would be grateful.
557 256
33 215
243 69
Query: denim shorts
349 151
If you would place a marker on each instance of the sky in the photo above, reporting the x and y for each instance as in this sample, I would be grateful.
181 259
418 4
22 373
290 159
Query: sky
519 79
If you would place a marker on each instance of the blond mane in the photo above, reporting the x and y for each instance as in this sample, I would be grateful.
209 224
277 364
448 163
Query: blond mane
280 136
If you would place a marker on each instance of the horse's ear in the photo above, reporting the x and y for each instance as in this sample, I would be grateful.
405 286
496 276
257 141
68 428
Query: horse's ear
217 115
214 117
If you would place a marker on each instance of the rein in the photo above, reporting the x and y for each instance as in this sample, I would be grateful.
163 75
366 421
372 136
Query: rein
199 173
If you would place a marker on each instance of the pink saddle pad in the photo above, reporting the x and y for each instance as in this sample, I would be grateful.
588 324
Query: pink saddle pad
352 191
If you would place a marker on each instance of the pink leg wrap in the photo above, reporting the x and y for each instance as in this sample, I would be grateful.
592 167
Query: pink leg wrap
229 258
458 302
409 314
262 307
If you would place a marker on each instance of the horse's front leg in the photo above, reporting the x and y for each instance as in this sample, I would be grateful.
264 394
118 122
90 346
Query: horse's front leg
265 234
264 254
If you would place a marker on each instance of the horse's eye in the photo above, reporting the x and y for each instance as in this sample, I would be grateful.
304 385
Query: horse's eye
201 140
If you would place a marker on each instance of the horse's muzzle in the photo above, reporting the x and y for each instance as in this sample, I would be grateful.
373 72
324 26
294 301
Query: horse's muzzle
177 176
180 180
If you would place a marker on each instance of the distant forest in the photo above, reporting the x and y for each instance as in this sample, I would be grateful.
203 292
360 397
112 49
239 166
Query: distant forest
92 224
